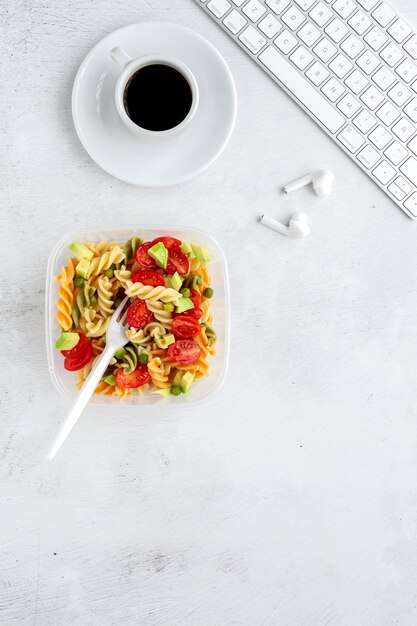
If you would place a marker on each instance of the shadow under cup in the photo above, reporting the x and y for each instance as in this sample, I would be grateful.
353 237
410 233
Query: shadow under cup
158 97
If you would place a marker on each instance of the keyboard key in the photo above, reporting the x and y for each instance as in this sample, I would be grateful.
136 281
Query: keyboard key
391 54
254 10
285 42
413 145
352 46
356 81
301 58
317 74
333 89
344 8
364 121
411 204
302 89
293 18
320 14
376 38
384 78
384 14
368 5
238 3
368 62
372 97
396 153
409 168
305 4
396 191
277 5
402 184
411 110
380 137
410 46
399 94
388 113
368 156
403 129
336 30
350 138
384 172
309 34
360 22
340 66
234 22
252 39
399 30
348 105
407 70
414 86
219 7
269 25
325 50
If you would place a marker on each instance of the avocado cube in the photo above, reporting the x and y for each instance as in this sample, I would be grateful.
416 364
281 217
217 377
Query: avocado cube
188 250
201 253
184 304
81 251
175 281
186 382
178 378
82 268
67 341
165 393
159 254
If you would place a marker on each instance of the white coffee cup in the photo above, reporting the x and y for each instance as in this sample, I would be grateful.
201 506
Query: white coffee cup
129 67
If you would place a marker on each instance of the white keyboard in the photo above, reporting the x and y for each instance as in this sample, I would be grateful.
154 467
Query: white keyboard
350 64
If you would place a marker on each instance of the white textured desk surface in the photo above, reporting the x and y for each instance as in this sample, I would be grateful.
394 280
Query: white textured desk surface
290 498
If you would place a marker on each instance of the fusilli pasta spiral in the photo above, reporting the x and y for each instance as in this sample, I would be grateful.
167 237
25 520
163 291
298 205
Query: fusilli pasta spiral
66 296
148 292
105 261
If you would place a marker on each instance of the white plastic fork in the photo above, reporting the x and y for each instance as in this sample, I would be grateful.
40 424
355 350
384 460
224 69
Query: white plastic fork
115 339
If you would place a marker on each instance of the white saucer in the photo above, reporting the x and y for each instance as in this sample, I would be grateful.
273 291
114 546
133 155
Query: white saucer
144 160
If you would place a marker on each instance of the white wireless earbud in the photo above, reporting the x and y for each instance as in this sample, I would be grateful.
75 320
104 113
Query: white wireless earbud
298 226
322 182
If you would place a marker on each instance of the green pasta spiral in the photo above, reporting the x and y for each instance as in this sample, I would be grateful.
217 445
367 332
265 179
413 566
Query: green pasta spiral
130 247
128 361
191 282
85 298
210 333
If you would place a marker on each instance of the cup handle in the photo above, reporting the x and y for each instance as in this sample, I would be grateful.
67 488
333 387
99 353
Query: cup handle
120 56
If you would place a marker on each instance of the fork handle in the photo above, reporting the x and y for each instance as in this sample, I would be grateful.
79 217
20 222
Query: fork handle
83 397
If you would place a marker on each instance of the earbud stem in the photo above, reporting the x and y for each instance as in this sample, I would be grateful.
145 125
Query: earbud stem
296 184
280 228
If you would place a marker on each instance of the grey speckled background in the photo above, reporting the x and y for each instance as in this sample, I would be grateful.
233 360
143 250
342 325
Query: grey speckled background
288 499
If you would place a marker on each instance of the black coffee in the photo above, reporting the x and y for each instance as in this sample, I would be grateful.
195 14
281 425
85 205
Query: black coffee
157 97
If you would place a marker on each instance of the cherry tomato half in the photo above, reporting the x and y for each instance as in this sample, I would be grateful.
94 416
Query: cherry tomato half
72 363
197 313
178 260
138 314
195 297
142 256
82 342
140 376
148 277
184 351
169 242
185 327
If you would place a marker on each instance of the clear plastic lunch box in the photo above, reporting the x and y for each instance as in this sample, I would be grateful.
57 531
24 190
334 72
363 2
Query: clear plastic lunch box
65 382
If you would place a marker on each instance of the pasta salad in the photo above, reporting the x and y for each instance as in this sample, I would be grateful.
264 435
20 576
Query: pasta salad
170 333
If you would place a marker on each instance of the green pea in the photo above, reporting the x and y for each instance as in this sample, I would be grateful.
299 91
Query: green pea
175 391
169 306
109 273
185 292
208 292
143 358
78 282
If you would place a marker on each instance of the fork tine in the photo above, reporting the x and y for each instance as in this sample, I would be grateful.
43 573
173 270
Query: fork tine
119 309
